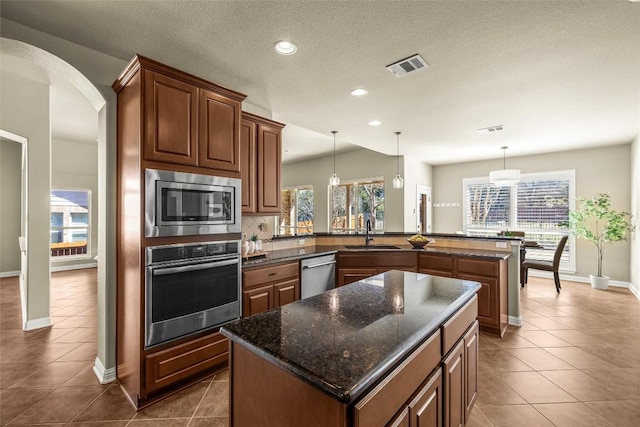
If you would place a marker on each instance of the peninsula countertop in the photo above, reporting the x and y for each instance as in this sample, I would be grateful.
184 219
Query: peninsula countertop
344 340
318 250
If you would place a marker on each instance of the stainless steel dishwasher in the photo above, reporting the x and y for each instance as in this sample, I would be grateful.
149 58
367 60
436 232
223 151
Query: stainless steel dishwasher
318 275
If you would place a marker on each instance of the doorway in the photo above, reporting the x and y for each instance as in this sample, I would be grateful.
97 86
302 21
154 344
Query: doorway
423 207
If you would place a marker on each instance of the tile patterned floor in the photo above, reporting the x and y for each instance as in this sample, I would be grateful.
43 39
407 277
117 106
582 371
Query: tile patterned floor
575 362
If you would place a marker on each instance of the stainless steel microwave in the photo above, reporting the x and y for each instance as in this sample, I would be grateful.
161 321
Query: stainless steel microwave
184 204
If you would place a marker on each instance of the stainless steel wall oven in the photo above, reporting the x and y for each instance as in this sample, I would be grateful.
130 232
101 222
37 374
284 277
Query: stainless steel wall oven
190 288
182 204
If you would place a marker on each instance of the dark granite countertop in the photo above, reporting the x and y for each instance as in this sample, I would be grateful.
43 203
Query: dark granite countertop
303 252
344 340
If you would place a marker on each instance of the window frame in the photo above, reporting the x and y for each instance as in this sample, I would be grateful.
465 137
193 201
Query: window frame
295 228
354 183
568 266
88 227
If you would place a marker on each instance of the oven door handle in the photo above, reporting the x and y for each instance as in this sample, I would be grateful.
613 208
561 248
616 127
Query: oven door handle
195 267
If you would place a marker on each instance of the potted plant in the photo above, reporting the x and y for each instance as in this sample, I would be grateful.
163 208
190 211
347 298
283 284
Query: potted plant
596 222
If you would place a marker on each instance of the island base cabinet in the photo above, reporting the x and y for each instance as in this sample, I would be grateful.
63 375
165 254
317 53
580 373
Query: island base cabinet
426 408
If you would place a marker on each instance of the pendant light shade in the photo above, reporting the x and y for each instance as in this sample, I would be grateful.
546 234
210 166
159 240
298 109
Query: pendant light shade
504 177
398 182
334 180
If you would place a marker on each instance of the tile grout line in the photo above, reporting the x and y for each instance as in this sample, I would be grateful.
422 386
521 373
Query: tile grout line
195 411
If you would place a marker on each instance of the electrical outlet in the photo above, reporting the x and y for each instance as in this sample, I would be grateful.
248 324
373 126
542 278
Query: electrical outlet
301 241
501 245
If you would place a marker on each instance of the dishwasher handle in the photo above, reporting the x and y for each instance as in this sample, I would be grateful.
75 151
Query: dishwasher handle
306 267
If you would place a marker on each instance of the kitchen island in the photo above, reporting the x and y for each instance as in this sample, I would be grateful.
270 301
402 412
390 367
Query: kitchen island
364 354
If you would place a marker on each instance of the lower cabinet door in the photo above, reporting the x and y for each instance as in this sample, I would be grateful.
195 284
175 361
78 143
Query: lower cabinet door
286 292
350 275
401 420
426 408
454 386
471 369
257 300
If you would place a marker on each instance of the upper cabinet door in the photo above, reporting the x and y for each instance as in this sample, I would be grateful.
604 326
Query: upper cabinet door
269 158
171 120
219 132
248 165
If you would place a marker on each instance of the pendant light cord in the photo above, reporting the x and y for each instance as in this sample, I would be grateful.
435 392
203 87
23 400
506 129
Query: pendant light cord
334 150
397 153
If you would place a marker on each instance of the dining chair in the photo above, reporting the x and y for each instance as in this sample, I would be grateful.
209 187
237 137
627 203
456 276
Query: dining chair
547 265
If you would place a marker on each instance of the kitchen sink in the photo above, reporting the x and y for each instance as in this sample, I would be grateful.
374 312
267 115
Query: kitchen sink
371 247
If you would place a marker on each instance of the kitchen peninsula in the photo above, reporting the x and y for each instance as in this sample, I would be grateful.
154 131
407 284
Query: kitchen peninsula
365 354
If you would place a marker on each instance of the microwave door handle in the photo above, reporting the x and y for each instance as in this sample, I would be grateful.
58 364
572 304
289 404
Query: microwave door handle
182 269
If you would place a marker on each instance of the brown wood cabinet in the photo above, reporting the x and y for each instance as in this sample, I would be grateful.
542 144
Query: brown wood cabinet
261 158
491 273
166 119
185 120
354 266
460 369
269 287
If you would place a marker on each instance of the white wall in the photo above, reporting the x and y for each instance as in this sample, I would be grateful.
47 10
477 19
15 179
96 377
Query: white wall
603 169
74 165
24 111
10 184
635 210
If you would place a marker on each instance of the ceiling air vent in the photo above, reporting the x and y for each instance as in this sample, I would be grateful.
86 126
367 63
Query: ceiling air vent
490 129
407 65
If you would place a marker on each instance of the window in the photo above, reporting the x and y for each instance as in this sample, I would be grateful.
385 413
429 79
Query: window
297 211
538 205
70 223
352 204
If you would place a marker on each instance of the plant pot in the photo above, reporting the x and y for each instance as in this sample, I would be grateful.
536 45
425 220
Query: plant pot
599 282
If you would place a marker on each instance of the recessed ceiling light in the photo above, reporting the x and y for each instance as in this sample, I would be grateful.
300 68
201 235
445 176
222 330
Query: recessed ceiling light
359 92
375 123
284 47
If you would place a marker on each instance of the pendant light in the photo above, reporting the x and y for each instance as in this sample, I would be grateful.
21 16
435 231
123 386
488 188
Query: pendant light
334 180
504 177
398 182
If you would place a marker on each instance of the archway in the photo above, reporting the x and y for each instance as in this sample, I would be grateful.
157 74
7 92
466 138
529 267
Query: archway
54 67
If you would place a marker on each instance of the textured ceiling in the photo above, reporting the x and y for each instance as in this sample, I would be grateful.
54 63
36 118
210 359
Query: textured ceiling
557 74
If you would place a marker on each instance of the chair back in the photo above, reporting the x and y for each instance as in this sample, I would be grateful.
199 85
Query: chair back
558 253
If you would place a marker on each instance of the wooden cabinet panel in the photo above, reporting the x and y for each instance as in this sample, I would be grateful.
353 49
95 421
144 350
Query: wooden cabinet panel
380 404
402 420
455 326
439 265
171 120
454 386
471 369
257 300
269 160
263 139
426 408
276 273
350 275
182 361
248 164
477 266
487 299
219 140
286 292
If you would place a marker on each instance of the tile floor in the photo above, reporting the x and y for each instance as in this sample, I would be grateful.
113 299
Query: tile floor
575 362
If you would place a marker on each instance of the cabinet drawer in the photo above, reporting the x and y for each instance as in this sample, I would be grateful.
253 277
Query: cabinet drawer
453 328
276 273
438 263
478 266
382 403
169 366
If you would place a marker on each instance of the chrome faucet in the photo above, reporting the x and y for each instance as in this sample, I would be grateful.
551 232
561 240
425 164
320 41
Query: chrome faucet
368 238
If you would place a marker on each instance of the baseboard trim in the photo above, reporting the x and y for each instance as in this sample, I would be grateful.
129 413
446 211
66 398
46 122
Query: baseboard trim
9 273
515 320
92 264
635 291
43 322
579 279
105 376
